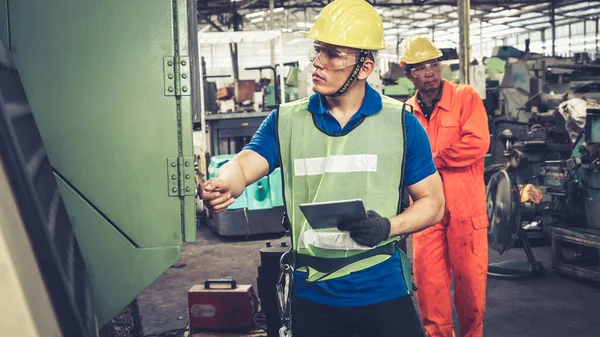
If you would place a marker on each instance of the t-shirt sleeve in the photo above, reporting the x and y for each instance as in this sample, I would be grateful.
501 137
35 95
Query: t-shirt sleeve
419 159
264 141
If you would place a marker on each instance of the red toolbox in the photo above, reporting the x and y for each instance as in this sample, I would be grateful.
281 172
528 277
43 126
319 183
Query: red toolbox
222 305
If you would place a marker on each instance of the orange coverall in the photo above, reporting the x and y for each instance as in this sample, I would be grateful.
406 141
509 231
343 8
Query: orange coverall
457 247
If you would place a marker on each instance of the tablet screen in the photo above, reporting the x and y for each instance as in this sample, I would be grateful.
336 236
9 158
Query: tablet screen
328 214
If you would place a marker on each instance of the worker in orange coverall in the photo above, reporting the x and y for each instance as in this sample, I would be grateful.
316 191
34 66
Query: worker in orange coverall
457 125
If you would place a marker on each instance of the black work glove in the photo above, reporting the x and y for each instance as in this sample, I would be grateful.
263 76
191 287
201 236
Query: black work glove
368 232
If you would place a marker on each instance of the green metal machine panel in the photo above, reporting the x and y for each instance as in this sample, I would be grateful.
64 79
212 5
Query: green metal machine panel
4 35
113 287
93 71
95 76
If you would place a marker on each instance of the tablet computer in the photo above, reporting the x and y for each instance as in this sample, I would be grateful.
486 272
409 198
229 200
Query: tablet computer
328 214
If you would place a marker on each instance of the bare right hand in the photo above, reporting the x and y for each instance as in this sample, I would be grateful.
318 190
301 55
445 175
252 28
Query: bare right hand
216 195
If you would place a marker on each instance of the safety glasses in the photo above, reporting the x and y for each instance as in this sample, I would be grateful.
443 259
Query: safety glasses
423 70
331 59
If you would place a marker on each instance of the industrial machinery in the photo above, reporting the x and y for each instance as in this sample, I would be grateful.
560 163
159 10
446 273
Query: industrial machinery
395 84
530 90
271 92
574 215
534 186
275 93
259 210
271 96
550 190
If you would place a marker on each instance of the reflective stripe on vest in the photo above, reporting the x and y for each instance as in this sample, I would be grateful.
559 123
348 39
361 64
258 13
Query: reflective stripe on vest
328 240
335 164
366 163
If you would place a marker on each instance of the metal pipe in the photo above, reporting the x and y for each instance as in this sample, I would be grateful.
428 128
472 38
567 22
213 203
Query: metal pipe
569 53
584 36
233 49
464 43
281 80
481 40
553 24
272 42
597 50
202 139
215 8
543 33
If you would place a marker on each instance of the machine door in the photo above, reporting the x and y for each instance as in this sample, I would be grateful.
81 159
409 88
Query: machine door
109 84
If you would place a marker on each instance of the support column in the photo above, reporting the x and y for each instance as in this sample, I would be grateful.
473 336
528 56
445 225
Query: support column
233 49
584 36
570 45
272 42
543 34
597 50
481 39
553 24
464 43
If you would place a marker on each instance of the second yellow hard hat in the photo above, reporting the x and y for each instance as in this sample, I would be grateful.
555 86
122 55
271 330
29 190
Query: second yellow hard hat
418 49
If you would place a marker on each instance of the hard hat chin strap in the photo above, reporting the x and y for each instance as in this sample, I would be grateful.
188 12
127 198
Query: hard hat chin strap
362 56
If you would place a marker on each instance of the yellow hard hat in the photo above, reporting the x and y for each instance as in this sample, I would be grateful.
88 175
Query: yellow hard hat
349 23
418 49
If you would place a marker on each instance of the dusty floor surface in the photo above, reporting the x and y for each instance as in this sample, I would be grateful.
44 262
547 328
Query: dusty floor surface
548 306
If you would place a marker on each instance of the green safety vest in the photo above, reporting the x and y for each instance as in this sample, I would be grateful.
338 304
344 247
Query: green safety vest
366 163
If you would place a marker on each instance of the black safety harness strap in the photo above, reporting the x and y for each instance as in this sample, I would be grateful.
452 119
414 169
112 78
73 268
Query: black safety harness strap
362 56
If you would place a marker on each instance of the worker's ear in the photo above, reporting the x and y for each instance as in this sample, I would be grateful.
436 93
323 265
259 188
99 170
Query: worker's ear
367 69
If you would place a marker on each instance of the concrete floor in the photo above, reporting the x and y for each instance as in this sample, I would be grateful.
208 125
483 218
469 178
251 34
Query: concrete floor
548 306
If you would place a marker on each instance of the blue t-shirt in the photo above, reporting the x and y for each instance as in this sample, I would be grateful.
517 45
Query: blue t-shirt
384 281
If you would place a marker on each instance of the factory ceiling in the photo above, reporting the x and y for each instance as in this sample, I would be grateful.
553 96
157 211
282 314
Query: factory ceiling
402 18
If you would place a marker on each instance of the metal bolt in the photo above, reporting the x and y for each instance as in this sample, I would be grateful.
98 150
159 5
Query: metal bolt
183 62
184 89
174 189
172 164
187 176
187 163
170 76
170 63
184 75
187 189
170 89
174 177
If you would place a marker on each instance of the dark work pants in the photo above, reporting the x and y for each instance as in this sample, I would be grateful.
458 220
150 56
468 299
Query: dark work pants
395 318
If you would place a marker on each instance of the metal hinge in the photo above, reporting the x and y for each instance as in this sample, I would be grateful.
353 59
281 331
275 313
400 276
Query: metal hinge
177 75
180 174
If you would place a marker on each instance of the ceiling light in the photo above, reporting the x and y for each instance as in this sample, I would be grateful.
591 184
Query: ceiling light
303 24
255 14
